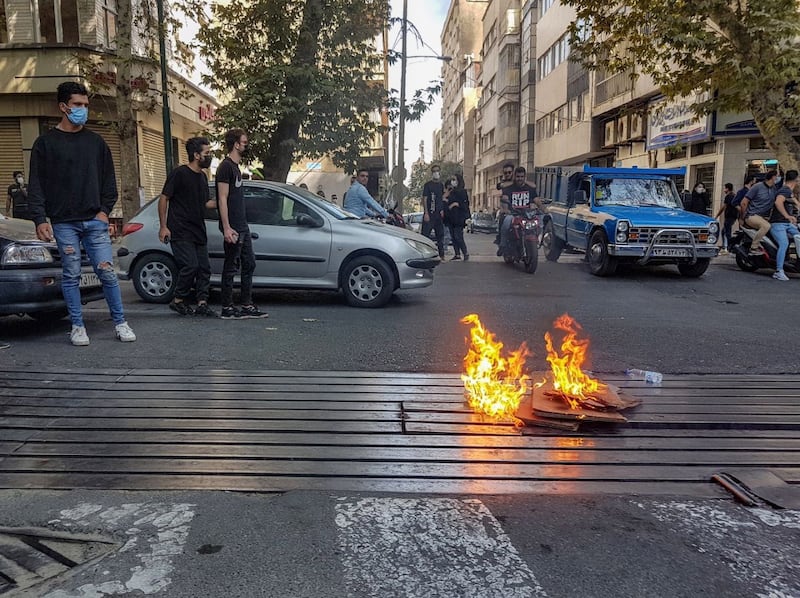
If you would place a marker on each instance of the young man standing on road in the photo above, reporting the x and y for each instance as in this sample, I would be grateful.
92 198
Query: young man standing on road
784 223
183 227
433 208
17 199
73 184
239 256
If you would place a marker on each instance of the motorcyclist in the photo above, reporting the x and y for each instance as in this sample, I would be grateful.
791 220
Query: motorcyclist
518 197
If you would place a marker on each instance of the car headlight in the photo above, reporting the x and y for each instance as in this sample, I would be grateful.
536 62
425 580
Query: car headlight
425 249
712 239
713 228
623 227
16 255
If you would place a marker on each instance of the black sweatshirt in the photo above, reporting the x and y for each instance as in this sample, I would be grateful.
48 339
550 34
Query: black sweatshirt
72 177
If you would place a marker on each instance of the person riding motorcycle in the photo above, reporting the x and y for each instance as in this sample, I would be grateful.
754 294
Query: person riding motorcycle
519 196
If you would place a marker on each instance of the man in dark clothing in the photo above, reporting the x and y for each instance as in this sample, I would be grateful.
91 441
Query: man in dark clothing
757 206
184 228
433 208
74 185
731 215
519 196
17 199
239 256
700 199
506 181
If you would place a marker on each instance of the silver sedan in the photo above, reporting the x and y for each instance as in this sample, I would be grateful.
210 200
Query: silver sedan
300 242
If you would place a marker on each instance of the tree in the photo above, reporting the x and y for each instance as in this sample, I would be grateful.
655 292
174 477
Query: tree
300 77
743 53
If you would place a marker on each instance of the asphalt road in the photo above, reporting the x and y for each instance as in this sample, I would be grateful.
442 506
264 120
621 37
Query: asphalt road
725 321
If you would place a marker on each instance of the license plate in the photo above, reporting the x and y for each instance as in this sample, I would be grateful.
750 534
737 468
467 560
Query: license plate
670 252
89 280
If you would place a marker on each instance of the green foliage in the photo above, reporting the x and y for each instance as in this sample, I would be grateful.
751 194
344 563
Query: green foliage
300 76
744 53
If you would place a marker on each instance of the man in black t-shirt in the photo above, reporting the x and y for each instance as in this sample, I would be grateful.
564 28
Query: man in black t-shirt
239 255
433 208
183 227
17 198
519 196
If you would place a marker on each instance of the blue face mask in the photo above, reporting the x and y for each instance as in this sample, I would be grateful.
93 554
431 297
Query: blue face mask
78 115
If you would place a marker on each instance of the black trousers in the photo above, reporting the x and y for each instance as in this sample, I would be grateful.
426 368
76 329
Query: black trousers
194 269
239 259
437 225
457 234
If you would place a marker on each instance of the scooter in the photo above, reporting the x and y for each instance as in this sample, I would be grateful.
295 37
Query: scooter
740 247
522 245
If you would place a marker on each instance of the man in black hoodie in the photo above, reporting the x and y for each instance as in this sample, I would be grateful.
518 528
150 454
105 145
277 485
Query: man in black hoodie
73 183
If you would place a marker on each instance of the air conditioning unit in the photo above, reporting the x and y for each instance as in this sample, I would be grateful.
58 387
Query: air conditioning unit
622 129
636 129
610 137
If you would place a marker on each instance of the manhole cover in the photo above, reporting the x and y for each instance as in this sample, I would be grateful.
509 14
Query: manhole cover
30 556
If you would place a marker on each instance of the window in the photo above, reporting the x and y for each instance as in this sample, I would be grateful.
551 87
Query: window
544 6
108 23
58 21
3 24
553 56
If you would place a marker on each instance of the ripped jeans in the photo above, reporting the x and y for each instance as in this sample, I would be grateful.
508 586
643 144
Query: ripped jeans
93 235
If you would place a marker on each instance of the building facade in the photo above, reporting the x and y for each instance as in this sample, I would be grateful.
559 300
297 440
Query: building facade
45 42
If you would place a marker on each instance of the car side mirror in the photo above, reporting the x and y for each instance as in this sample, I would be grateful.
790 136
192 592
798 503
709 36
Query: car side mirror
307 220
579 197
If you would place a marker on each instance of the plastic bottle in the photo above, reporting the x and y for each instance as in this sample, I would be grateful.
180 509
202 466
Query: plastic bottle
646 375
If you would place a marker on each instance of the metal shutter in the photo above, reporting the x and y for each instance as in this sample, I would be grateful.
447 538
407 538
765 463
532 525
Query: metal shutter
10 154
154 171
109 134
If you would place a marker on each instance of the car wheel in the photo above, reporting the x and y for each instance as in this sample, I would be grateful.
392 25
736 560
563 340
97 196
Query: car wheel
694 270
51 315
745 264
531 256
154 278
600 262
367 281
553 246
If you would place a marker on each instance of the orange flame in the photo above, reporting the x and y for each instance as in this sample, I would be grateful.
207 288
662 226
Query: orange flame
568 377
494 385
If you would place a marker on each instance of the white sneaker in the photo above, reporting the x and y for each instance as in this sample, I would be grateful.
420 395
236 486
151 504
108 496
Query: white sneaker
124 333
779 275
78 336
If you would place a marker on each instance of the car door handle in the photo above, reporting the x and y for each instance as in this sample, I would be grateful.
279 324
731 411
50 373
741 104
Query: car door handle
253 235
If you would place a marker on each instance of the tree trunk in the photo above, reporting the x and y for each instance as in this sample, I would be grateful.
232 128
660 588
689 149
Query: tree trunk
126 125
777 133
281 151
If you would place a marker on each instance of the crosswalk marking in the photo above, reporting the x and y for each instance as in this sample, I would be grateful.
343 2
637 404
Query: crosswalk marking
432 547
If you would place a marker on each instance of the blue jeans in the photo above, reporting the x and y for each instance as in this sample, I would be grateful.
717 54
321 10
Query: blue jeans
781 231
93 235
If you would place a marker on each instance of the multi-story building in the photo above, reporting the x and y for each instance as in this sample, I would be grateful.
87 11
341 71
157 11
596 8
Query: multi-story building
46 42
556 112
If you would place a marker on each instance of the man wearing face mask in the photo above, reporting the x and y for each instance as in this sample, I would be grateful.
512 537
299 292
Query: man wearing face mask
72 182
433 208
17 200
183 227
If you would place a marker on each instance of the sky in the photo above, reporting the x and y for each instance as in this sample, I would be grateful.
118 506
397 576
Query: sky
428 17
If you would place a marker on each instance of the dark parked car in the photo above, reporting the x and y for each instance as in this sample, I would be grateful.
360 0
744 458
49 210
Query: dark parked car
30 274
482 223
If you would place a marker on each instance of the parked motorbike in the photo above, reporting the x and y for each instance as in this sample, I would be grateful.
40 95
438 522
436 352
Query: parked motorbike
522 244
395 218
740 247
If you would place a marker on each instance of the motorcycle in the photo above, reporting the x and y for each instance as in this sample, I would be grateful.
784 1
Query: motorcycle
740 247
522 244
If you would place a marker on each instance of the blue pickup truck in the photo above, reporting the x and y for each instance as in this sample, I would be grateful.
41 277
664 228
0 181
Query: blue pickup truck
623 216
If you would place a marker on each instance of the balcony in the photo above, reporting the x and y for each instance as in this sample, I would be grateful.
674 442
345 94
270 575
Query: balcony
613 86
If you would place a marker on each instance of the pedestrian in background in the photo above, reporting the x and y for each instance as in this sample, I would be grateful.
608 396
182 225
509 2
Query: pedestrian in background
74 185
700 199
730 215
433 208
17 198
458 213
181 215
237 242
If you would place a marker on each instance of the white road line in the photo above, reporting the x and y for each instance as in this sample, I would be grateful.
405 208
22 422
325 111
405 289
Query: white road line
432 547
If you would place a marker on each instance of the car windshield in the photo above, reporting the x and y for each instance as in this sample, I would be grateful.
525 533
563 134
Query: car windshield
329 207
636 192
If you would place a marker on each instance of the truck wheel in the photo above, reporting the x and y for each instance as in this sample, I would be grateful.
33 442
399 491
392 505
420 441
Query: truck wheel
694 270
154 278
367 281
553 246
531 256
600 262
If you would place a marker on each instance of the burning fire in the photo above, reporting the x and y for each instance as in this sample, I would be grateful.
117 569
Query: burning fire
495 385
568 377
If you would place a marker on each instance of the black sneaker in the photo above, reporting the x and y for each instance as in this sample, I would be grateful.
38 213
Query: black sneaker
230 313
251 312
455 257
182 308
466 257
203 309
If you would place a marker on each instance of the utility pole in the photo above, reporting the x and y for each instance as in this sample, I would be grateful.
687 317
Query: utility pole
162 47
401 166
